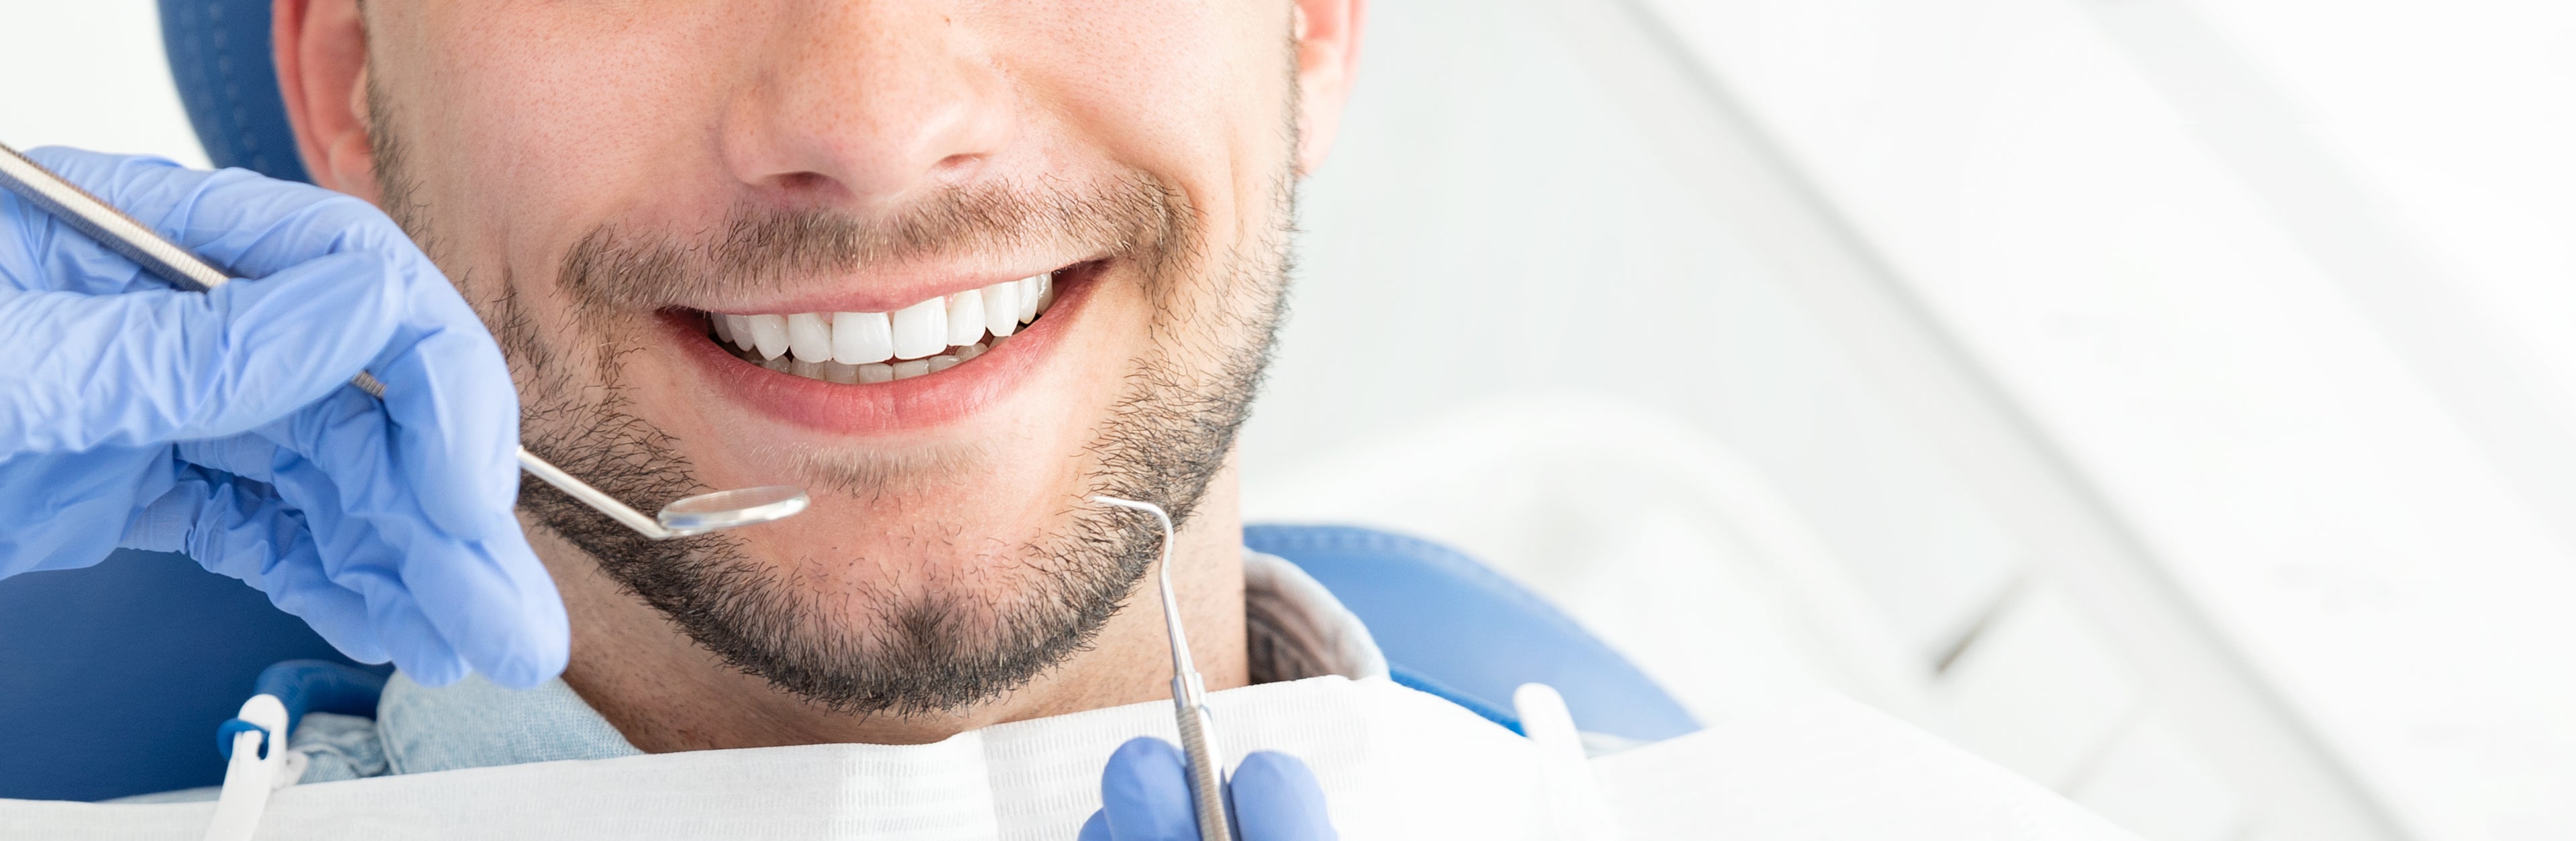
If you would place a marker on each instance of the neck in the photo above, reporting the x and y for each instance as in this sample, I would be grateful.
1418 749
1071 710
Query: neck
665 693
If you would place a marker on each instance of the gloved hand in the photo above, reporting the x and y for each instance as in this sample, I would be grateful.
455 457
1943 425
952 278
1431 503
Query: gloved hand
1145 796
222 424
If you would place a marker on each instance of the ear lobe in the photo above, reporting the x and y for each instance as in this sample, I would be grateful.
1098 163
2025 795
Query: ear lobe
1328 55
320 47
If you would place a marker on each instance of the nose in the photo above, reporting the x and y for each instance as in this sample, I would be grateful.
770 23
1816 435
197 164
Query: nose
862 103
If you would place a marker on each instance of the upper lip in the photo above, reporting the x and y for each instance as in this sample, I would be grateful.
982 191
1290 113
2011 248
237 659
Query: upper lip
880 291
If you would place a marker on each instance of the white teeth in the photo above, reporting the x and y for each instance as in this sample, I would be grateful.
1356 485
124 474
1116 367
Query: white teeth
769 334
859 338
1001 307
810 336
921 329
1028 295
855 347
965 318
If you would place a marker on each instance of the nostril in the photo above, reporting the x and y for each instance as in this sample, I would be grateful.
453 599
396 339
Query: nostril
957 166
796 183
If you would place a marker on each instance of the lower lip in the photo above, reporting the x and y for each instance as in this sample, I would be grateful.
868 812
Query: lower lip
887 408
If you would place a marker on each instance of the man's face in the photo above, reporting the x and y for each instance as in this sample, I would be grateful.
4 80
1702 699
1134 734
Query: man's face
608 180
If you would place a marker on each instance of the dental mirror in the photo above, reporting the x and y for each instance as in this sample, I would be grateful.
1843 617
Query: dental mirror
689 516
727 509
111 227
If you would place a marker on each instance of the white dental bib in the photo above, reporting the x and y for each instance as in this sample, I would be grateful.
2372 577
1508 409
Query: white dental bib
1394 763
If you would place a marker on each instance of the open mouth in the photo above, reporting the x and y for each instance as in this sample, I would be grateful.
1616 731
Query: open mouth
857 348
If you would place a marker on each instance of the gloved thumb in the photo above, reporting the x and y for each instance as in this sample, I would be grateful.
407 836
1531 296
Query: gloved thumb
1145 794
1275 797
156 366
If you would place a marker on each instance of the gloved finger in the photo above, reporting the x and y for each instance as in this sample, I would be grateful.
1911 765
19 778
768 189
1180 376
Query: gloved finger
40 253
1275 797
1145 793
255 227
441 604
519 639
56 256
245 224
247 456
412 639
335 277
152 367
63 511
337 614
241 528
455 412
447 386
1095 828
356 556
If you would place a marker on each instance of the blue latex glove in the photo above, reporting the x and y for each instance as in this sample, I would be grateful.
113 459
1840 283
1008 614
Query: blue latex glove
222 424
1145 796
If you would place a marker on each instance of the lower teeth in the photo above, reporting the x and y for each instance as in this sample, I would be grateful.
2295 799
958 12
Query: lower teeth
874 372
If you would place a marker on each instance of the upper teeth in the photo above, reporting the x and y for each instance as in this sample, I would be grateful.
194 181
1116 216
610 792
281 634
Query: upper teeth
920 331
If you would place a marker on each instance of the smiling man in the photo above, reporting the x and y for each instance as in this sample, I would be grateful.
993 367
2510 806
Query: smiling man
954 267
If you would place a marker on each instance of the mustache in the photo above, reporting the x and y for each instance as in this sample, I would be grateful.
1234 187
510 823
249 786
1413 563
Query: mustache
757 249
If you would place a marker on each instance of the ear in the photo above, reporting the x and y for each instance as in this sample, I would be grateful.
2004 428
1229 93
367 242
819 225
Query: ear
321 53
1328 54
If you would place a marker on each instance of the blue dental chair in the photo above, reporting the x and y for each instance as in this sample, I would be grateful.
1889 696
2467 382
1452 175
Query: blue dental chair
119 674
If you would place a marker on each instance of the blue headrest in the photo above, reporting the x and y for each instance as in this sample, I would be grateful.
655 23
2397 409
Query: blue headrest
219 56
118 674
1451 626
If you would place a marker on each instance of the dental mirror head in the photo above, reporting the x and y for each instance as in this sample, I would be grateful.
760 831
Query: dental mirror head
727 509
687 517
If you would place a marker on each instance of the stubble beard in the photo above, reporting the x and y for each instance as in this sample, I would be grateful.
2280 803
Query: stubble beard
925 649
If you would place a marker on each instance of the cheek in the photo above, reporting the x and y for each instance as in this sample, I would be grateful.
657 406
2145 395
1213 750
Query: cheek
549 119
1177 87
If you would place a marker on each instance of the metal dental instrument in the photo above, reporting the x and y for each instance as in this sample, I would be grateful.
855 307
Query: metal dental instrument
1206 771
120 233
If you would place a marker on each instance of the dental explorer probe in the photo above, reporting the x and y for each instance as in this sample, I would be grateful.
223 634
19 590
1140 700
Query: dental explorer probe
1206 771
121 233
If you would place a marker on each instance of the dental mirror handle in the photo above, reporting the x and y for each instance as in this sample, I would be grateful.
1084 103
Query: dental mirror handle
1206 764
135 241
597 499
104 224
